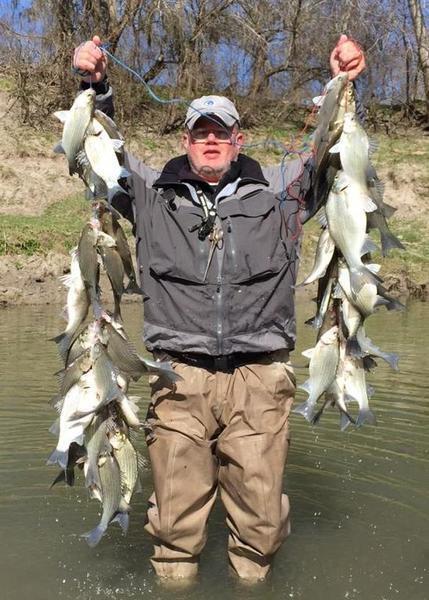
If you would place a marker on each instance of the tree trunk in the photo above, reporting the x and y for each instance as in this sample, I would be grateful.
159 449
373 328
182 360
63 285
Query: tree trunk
422 39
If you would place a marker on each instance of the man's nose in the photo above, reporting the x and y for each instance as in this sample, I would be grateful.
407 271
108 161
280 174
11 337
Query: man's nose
211 137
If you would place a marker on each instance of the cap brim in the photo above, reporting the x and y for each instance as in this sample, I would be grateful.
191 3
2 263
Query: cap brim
225 117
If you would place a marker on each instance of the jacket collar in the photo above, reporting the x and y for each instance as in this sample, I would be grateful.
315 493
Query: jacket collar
178 172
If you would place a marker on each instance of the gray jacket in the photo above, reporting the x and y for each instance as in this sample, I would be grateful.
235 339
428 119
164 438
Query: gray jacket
246 301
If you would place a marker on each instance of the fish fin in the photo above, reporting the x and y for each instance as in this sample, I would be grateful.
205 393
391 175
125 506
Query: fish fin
370 391
338 292
372 146
361 277
389 241
63 341
335 149
368 204
55 427
388 210
305 387
104 239
60 477
94 536
162 368
133 288
368 246
373 267
66 280
345 420
114 190
123 519
321 217
392 359
366 416
58 457
353 348
306 410
61 115
368 363
315 322
117 147
58 148
308 353
123 173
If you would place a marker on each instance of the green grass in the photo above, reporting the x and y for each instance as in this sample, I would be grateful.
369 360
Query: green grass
57 229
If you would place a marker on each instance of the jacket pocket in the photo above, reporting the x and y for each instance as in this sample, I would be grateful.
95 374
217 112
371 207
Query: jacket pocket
176 252
252 233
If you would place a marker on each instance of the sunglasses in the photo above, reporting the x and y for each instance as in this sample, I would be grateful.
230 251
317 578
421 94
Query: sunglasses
200 134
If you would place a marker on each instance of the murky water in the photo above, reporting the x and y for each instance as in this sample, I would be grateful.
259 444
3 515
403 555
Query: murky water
359 498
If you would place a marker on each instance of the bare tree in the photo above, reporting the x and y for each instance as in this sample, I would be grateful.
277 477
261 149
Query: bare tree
422 39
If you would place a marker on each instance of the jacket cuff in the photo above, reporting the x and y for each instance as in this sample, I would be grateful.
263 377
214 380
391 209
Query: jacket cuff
100 88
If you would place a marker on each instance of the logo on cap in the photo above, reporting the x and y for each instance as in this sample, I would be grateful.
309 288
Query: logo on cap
209 102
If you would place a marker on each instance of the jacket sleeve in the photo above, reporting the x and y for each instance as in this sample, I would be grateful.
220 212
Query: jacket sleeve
138 187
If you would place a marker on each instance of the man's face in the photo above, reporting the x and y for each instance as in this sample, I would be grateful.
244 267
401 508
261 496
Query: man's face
211 147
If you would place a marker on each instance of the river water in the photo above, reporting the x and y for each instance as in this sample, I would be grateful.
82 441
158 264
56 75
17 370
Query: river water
359 498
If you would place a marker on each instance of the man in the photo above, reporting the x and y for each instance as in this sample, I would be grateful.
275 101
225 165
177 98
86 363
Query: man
217 242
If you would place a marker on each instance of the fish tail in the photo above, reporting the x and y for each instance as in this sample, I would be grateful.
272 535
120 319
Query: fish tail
94 536
366 416
306 410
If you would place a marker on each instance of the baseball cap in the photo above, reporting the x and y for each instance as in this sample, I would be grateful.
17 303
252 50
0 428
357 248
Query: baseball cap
218 106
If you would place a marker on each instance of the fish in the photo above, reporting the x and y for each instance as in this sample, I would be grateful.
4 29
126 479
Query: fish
353 321
114 506
77 305
100 152
72 426
324 253
97 444
110 225
353 148
128 461
368 347
125 357
324 359
369 296
76 122
88 260
115 271
346 217
356 389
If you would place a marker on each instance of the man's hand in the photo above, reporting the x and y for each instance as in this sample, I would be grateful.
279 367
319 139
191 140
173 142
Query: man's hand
89 57
347 57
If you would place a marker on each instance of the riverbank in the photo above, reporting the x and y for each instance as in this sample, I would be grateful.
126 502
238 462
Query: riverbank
42 208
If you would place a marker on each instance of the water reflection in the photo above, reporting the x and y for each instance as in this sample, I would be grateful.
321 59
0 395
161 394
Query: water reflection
359 498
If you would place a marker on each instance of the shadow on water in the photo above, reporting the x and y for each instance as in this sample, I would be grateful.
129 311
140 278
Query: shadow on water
359 499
